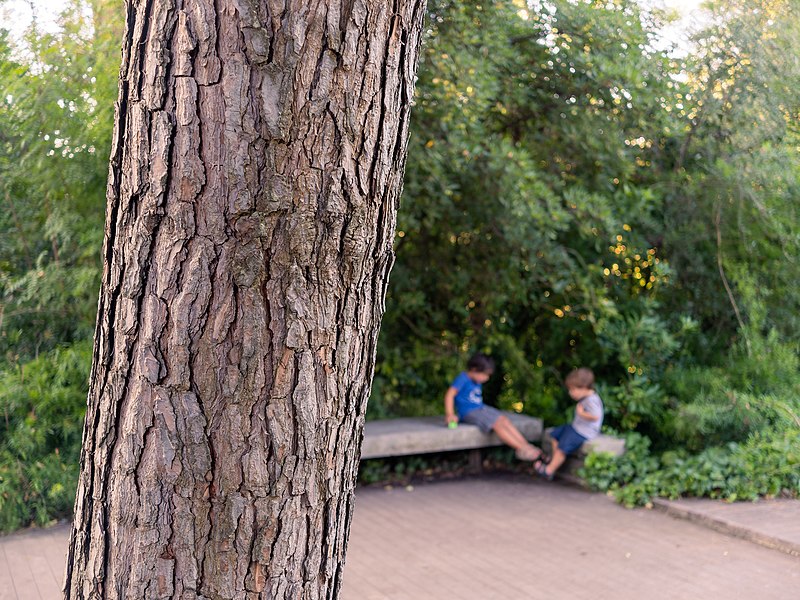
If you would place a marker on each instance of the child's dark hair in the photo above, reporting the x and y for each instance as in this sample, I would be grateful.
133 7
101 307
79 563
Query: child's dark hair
580 378
480 363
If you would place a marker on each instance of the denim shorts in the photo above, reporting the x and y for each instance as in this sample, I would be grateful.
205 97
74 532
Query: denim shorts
484 417
569 440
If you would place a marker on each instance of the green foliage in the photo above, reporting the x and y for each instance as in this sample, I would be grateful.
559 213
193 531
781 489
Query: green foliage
55 119
767 464
752 391
55 133
731 219
574 196
604 471
515 237
42 406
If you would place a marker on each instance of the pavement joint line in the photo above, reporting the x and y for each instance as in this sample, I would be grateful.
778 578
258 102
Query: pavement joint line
727 527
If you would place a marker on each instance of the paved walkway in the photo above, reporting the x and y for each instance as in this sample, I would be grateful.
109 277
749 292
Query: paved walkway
501 537
32 564
771 523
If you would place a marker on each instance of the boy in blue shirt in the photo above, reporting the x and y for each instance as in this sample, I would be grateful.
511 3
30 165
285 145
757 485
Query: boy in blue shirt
463 402
585 426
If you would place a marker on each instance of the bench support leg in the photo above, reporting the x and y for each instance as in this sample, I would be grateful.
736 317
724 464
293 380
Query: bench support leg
475 461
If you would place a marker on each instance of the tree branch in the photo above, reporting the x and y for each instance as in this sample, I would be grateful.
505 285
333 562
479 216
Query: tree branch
717 223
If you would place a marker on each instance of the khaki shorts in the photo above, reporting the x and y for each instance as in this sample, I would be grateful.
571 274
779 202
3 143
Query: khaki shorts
484 417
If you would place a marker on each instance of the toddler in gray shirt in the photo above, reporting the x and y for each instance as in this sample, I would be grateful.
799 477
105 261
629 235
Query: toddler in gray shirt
585 426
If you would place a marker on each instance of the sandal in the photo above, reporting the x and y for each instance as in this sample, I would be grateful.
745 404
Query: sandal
541 471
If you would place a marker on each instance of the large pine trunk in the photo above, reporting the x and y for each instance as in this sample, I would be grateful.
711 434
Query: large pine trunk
257 164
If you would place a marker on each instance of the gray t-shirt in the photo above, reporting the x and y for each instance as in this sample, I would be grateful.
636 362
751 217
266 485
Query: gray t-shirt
594 406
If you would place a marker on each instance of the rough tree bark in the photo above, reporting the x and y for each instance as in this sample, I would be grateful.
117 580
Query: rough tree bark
255 173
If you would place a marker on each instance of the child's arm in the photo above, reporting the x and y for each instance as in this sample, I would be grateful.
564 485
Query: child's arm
449 405
585 414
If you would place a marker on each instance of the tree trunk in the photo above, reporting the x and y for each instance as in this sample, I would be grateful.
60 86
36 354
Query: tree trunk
255 173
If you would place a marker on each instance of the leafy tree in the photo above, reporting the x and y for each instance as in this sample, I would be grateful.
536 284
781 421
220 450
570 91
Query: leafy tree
532 189
56 131
732 219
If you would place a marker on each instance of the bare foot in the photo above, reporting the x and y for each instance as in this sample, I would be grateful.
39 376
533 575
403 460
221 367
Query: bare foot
528 453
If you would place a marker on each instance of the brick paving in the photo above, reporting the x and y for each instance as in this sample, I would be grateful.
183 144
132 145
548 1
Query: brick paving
32 564
502 537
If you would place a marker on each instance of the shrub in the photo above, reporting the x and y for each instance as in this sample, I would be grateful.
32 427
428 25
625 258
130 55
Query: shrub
43 404
767 464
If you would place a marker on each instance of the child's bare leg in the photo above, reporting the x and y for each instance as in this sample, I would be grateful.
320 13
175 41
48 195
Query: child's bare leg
511 436
553 446
557 460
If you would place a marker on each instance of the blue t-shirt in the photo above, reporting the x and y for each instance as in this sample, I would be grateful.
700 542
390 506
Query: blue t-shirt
469 395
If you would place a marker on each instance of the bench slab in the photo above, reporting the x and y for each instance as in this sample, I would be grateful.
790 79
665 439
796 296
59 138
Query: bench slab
602 443
421 435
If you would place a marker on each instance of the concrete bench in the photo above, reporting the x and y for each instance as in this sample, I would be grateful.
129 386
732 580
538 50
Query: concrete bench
422 435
